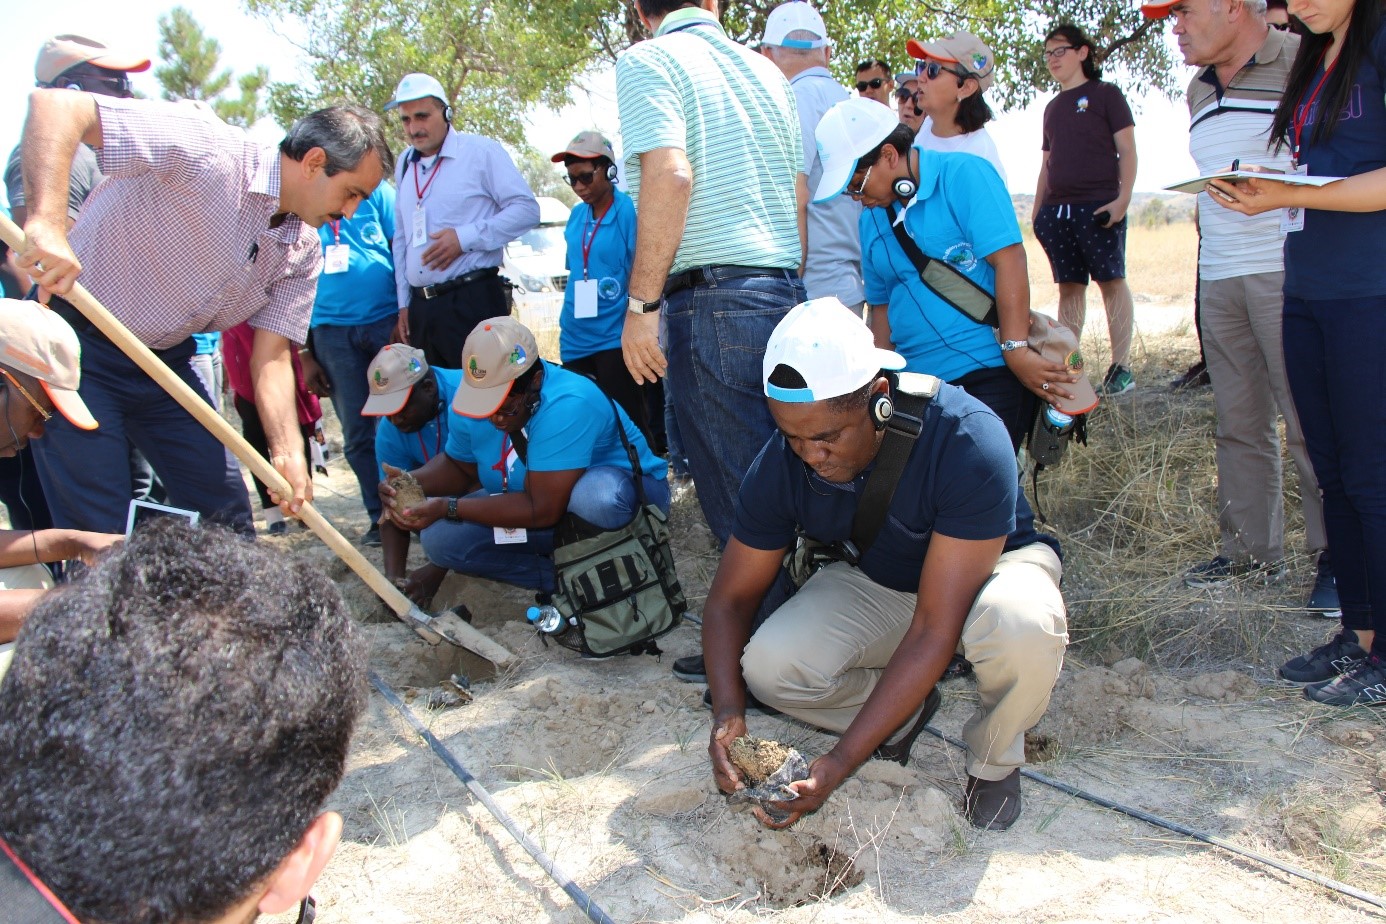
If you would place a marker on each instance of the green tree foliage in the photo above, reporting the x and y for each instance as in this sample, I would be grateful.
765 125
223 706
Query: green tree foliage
495 58
545 177
190 70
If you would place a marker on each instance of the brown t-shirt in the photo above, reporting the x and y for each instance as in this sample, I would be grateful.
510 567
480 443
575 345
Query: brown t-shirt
1078 129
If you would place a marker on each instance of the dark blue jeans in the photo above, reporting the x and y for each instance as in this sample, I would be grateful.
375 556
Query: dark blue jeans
717 336
344 354
1333 359
86 473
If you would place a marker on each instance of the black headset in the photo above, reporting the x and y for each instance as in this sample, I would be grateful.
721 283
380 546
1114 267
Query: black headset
882 409
611 173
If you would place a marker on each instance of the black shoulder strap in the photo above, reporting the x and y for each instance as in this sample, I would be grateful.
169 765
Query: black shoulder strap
912 393
920 260
952 279
631 452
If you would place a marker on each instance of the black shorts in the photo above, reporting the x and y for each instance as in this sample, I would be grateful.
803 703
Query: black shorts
1078 247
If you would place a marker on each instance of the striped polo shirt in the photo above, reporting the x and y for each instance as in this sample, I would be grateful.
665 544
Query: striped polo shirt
1233 123
732 113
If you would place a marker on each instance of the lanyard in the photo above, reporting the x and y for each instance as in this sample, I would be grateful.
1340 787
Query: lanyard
420 192
1302 114
437 442
504 469
336 230
587 241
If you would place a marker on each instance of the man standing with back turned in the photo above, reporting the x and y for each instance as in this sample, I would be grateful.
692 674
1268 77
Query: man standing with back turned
450 233
714 160
196 228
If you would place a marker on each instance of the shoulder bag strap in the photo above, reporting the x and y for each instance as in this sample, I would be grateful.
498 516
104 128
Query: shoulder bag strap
901 433
952 276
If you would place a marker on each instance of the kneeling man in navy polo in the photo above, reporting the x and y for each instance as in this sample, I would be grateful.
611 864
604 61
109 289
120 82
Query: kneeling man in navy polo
956 567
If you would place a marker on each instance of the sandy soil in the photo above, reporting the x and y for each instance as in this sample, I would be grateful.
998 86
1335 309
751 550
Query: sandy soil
603 764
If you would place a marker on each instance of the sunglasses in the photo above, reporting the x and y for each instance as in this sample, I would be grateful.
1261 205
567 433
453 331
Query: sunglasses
1054 54
27 397
930 70
875 84
904 93
102 84
861 187
1281 26
580 179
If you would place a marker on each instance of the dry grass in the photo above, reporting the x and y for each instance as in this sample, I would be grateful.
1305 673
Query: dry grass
1161 265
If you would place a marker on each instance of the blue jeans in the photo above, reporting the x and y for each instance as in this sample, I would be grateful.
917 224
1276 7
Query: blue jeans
603 496
717 336
86 473
1333 350
344 354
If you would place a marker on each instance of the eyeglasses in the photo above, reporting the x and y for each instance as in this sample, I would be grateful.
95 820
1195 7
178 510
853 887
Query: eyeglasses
873 84
27 397
1054 54
861 187
903 93
931 69
580 179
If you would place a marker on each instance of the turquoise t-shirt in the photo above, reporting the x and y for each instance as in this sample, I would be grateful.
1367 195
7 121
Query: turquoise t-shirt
962 214
611 252
409 451
573 428
365 293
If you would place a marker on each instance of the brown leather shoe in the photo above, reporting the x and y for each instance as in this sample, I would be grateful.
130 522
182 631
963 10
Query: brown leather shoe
992 805
900 750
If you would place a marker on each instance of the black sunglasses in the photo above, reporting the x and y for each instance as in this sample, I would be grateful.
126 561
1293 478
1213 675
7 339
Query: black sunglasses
1282 26
874 84
580 179
931 69
102 83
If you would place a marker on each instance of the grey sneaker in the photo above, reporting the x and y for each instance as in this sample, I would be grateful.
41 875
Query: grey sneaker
1222 571
1117 381
1340 655
1323 599
1362 685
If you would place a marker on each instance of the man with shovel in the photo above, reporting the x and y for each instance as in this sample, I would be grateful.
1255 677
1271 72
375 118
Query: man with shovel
196 228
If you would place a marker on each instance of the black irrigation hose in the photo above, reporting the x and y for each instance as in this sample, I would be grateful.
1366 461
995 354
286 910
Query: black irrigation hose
1177 828
575 892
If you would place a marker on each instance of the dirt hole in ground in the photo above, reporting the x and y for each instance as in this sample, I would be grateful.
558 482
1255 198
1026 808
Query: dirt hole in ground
1040 748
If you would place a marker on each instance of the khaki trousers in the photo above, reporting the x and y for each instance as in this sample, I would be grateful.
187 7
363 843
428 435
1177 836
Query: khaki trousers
1241 323
819 656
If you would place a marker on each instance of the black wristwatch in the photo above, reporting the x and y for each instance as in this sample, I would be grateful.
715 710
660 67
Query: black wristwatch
452 508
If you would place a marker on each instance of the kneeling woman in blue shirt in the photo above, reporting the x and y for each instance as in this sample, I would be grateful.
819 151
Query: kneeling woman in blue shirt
528 441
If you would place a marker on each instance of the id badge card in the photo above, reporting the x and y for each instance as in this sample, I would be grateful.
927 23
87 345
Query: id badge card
507 536
336 258
1292 219
585 298
419 230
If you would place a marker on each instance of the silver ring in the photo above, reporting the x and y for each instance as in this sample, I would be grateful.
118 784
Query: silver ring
1045 386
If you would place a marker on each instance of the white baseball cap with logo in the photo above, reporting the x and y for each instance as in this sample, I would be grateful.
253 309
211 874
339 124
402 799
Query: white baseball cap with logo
417 86
391 378
794 16
853 127
36 341
831 348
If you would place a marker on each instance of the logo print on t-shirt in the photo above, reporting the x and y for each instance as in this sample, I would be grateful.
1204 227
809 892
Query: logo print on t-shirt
961 255
1082 104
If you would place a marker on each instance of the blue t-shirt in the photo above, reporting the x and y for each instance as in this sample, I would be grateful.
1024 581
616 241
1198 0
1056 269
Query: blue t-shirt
365 293
411 450
609 261
206 344
1338 254
962 214
573 428
959 481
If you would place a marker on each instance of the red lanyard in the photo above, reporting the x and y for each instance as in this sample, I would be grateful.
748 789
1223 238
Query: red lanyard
1302 114
504 469
588 241
336 230
437 167
437 442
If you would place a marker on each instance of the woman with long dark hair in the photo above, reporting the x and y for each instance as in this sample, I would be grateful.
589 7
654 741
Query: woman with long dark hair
1333 119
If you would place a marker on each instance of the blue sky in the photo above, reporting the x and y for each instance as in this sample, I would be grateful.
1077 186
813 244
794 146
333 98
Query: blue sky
1161 133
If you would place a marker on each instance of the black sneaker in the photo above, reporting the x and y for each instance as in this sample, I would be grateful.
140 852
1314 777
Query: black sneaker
690 669
752 704
1364 684
1222 571
992 805
1323 599
372 536
1340 655
900 750
1195 377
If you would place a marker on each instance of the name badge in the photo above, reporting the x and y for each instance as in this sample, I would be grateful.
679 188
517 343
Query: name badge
585 298
507 536
1292 219
419 237
336 257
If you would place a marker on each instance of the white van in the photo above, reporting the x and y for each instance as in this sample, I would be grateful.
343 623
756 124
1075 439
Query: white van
536 263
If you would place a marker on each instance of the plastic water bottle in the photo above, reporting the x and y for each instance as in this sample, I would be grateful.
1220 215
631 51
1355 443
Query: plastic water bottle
1056 420
546 619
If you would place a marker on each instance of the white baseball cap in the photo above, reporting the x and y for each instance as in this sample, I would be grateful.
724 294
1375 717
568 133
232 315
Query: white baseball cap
417 86
831 348
853 127
794 16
